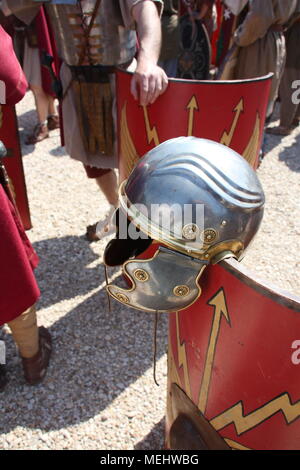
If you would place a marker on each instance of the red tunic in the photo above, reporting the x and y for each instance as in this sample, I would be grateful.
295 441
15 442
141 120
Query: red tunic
46 43
18 287
11 72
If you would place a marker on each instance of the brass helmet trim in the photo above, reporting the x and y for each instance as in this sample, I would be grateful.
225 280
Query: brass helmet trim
154 231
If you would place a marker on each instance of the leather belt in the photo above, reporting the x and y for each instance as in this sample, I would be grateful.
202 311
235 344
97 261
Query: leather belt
91 73
277 28
95 73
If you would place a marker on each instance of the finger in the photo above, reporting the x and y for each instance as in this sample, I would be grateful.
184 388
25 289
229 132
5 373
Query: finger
134 87
162 84
165 82
157 92
154 88
144 89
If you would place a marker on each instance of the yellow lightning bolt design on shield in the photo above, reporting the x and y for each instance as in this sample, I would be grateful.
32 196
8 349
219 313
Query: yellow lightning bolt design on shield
151 133
250 151
182 359
128 150
172 368
235 445
243 423
220 308
227 136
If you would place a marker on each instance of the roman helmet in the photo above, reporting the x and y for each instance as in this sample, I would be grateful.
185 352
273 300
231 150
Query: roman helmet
196 202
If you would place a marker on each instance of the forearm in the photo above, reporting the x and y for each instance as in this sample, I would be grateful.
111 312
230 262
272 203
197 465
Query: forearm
149 31
149 80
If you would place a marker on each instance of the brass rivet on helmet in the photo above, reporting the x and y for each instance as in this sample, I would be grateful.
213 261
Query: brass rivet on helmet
190 231
122 298
209 235
181 291
141 275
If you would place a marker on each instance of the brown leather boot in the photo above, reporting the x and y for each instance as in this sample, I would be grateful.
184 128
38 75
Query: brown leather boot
40 133
35 367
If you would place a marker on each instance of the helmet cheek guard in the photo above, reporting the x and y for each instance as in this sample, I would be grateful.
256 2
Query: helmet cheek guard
201 202
151 292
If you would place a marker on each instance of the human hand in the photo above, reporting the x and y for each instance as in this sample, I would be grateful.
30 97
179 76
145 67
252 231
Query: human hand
148 82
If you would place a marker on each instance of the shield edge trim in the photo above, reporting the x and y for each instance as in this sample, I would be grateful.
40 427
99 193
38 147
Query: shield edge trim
209 82
262 286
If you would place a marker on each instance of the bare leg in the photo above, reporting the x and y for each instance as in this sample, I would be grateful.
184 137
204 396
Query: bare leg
52 111
42 104
108 184
53 117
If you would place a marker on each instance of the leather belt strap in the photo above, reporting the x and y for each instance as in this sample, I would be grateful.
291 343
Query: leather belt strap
91 73
88 32
278 28
95 73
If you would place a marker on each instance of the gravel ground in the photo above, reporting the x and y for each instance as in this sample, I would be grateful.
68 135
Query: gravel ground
99 392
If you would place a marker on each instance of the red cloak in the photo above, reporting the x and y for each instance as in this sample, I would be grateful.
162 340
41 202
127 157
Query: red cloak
11 72
46 43
18 287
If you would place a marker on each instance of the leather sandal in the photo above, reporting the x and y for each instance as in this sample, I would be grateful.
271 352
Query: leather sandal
103 228
91 234
40 133
35 367
53 122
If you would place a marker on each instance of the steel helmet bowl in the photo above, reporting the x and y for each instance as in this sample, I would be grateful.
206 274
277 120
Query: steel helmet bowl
201 201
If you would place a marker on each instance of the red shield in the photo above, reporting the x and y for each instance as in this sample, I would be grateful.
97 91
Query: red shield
230 112
236 354
13 162
233 352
